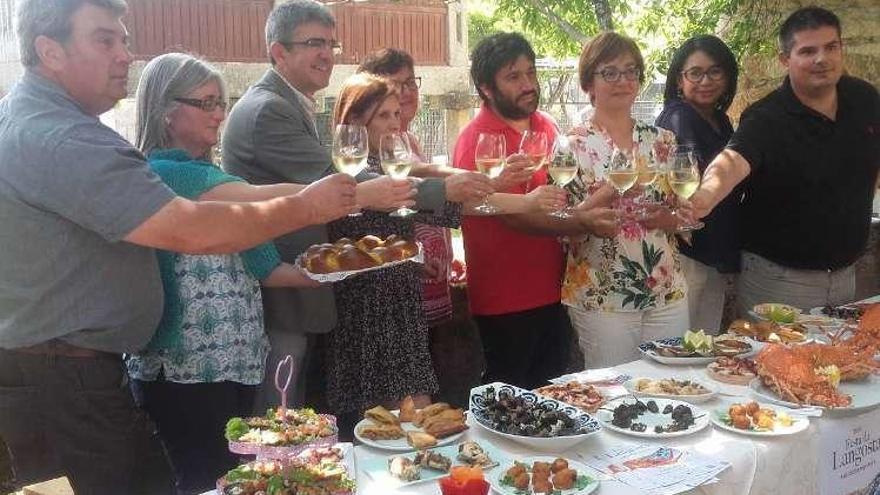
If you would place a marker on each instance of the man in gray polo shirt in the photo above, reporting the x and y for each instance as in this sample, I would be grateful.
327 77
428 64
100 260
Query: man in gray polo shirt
79 213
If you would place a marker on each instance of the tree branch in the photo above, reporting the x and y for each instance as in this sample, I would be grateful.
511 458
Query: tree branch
564 25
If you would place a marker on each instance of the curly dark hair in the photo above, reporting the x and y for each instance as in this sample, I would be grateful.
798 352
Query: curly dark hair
718 51
492 54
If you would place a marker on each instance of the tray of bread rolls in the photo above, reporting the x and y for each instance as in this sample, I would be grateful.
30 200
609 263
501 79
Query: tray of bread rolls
346 258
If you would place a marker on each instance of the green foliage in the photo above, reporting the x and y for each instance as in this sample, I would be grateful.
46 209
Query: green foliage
558 27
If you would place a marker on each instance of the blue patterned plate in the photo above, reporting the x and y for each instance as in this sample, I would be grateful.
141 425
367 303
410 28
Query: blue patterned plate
584 424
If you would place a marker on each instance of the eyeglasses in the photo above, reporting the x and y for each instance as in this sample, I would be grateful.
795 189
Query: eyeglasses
412 83
209 104
316 44
696 74
612 75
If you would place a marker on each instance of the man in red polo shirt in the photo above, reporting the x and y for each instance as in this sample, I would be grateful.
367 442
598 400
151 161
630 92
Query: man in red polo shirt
513 276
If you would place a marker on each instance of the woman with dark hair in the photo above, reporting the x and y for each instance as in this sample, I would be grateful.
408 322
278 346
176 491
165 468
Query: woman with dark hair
700 86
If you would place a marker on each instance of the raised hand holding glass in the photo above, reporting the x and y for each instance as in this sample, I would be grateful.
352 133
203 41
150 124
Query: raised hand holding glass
396 159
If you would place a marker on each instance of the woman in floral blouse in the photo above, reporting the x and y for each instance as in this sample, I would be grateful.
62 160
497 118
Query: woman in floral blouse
622 290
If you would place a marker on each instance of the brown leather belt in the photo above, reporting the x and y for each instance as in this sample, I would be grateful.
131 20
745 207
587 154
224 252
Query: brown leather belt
57 347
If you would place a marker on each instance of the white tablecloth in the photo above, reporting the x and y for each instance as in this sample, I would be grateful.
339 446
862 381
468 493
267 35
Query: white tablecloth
778 465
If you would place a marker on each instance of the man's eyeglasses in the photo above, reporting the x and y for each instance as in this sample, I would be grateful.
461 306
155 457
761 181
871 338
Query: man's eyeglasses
612 75
412 83
696 74
209 104
316 44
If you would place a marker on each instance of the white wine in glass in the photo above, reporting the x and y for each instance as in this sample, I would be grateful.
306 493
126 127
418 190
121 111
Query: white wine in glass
683 177
535 146
396 159
489 156
350 150
622 174
563 168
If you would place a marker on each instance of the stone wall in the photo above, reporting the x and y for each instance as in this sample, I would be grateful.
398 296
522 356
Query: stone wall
860 21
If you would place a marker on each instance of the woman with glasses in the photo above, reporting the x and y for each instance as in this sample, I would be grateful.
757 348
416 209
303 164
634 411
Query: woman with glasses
628 287
208 355
700 85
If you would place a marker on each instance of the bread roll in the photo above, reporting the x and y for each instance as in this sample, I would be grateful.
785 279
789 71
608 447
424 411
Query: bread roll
382 254
369 242
352 258
325 260
408 249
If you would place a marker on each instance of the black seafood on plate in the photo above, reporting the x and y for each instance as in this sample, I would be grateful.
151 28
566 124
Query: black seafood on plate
508 409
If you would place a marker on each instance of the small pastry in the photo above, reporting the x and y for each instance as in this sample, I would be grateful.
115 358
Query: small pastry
403 468
420 440
381 415
407 410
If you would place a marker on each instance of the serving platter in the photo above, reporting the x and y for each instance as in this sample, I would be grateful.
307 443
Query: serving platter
582 421
649 349
865 395
399 444
377 467
331 277
799 423
497 478
650 420
712 390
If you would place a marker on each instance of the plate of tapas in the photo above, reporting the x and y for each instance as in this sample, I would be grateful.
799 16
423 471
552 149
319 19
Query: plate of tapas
683 389
694 348
769 331
544 474
410 428
326 470
583 396
834 377
530 419
406 469
346 258
281 432
732 370
759 420
652 418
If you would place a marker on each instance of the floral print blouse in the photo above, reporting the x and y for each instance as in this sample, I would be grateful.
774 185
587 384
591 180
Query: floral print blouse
638 269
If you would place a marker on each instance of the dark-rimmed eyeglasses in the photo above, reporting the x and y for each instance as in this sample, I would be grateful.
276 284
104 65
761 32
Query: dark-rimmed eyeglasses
612 75
209 104
696 74
316 44
412 83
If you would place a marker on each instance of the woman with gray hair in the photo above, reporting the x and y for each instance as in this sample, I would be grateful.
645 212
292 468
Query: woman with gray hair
208 355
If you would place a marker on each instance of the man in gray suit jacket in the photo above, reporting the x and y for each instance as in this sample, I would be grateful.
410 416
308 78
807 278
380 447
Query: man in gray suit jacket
271 137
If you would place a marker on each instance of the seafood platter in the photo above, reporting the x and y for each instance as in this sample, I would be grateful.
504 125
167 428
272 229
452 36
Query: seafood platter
683 389
652 418
762 420
411 428
839 375
581 395
403 469
732 370
544 474
694 348
530 419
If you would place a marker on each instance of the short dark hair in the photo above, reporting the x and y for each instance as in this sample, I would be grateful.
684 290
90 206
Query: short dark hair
718 51
386 62
493 53
803 19
51 18
606 47
288 16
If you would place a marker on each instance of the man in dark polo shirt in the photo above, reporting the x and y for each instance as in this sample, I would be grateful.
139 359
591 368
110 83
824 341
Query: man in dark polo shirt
810 152
80 212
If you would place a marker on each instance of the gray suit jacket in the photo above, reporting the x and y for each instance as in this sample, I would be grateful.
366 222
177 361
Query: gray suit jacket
271 138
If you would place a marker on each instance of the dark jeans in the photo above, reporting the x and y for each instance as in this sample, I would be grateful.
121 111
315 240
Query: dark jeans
75 417
191 418
526 348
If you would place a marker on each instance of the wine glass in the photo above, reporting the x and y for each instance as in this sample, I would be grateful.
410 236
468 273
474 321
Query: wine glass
534 144
396 159
562 168
489 156
622 173
350 150
683 176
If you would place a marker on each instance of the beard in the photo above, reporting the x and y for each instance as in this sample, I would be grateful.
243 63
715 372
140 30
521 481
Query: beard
512 109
